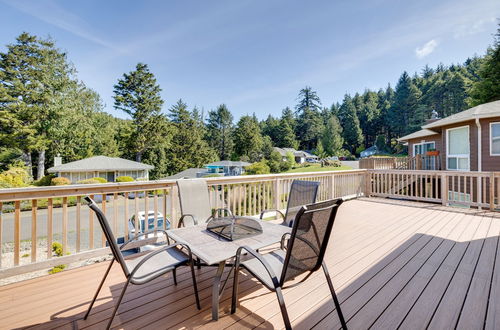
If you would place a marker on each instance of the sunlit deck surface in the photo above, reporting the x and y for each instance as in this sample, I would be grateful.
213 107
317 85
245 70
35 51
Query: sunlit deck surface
393 263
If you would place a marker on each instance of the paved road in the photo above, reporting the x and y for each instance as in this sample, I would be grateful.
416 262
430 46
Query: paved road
352 163
8 221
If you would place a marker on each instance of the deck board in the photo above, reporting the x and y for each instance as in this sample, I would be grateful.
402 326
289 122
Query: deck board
393 263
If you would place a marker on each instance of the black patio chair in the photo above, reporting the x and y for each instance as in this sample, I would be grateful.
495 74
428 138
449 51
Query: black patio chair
301 254
301 193
146 267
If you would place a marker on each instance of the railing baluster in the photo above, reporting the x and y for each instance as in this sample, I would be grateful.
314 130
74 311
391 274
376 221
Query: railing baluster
126 216
103 207
1 232
17 231
155 206
164 209
65 224
115 213
136 213
91 227
78 222
34 209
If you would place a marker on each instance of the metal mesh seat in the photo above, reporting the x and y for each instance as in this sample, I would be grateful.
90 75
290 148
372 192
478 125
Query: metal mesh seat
302 255
301 193
146 267
195 202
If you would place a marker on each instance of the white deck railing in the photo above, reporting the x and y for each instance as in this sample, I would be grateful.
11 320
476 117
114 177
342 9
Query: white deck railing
31 219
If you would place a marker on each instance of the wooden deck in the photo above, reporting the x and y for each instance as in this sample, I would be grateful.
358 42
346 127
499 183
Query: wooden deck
394 264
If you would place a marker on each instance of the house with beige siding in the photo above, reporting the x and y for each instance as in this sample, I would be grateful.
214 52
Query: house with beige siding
108 168
465 141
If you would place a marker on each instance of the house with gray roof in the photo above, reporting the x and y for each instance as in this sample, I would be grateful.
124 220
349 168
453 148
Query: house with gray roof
105 167
465 141
299 155
227 167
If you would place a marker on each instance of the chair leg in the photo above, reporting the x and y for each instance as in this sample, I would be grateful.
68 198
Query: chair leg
118 303
284 312
334 296
174 273
234 299
195 286
98 289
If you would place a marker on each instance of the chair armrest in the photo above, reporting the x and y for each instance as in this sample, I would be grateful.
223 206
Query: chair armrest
152 254
144 234
181 220
283 238
271 210
258 256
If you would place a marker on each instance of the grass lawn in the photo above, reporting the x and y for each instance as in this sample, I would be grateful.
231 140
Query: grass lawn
318 168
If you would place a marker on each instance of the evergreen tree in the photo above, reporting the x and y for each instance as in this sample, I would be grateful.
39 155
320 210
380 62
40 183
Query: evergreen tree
219 131
286 135
248 140
406 101
308 99
138 95
331 138
352 134
488 88
270 128
369 117
309 123
188 147
35 78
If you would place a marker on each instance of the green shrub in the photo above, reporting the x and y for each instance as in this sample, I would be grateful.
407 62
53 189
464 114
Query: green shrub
60 181
26 255
57 269
88 181
45 181
57 248
124 178
141 179
100 180
258 168
15 177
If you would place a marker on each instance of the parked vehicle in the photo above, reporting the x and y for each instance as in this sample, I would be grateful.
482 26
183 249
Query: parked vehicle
139 195
142 222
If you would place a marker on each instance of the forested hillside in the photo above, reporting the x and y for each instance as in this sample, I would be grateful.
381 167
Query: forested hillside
45 110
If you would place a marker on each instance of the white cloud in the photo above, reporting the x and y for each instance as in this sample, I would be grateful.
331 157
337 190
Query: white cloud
426 49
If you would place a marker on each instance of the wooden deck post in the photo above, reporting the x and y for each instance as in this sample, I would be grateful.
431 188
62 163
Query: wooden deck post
368 184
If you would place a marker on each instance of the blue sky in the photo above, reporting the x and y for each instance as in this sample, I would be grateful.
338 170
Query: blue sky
254 55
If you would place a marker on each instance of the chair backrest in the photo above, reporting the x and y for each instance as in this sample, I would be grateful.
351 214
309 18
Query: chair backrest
301 193
194 199
309 238
115 249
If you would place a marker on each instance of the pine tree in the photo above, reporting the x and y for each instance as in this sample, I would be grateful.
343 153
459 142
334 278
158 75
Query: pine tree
188 147
406 101
349 121
270 127
219 131
369 117
286 135
488 88
331 138
248 140
35 78
138 95
309 123
308 99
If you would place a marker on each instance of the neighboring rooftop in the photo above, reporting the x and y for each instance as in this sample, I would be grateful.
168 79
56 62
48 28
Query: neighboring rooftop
418 134
190 173
296 153
229 163
100 163
486 110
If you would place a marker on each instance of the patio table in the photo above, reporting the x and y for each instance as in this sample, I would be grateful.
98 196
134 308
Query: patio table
215 251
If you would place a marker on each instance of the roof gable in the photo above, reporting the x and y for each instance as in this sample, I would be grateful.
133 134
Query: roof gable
100 163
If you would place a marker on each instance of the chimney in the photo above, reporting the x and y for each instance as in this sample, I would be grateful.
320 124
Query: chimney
57 160
434 117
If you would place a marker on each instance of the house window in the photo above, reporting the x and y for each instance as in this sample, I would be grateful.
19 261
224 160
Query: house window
458 149
495 139
422 147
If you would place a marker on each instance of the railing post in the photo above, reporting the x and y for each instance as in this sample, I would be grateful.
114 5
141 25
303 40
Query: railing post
277 198
368 183
444 189
492 191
